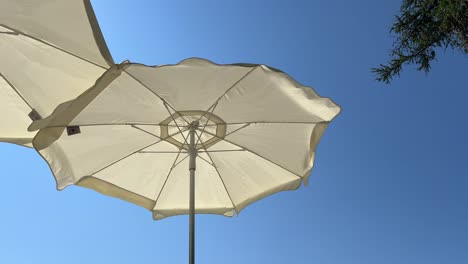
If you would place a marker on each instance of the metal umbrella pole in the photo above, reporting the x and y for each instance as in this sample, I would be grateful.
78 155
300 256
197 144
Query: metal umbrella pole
192 168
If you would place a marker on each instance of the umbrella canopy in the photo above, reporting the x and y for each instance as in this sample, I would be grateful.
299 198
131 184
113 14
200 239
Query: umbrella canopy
128 136
51 51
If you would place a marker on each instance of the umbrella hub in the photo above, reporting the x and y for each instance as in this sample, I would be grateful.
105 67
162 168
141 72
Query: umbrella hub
176 128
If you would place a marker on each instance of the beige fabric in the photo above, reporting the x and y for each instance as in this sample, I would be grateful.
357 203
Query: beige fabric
51 51
257 136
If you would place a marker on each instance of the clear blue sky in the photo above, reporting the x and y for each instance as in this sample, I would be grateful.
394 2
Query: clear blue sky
391 176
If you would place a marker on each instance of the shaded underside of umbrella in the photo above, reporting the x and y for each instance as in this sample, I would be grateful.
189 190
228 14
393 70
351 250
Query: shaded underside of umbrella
51 51
128 135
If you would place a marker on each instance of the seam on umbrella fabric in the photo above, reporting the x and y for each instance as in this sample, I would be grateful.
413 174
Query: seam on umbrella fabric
234 85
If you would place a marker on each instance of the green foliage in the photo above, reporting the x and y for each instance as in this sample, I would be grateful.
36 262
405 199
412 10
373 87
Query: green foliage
423 26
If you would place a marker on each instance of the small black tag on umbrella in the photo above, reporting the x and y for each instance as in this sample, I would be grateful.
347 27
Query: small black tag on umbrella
34 115
73 130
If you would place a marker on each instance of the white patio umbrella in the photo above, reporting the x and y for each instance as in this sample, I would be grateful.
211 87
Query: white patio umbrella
50 52
251 129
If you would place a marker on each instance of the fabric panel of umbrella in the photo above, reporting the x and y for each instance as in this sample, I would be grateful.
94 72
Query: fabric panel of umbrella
51 52
134 135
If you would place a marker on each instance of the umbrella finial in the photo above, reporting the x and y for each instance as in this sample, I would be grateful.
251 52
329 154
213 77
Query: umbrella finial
194 125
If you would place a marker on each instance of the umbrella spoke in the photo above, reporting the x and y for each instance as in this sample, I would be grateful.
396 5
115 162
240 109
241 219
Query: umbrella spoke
134 152
178 127
219 175
210 110
157 95
205 160
221 150
159 152
165 152
246 149
180 161
110 124
207 120
145 131
167 177
244 126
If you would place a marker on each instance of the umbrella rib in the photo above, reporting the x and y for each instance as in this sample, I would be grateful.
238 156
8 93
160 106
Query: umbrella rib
207 120
113 124
165 181
253 152
16 90
218 150
205 160
219 175
180 161
234 85
159 152
268 122
222 150
145 131
132 153
50 45
178 127
157 95
119 160
244 126
207 111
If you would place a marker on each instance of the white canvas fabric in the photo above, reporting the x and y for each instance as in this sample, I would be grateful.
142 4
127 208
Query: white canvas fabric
126 136
51 51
